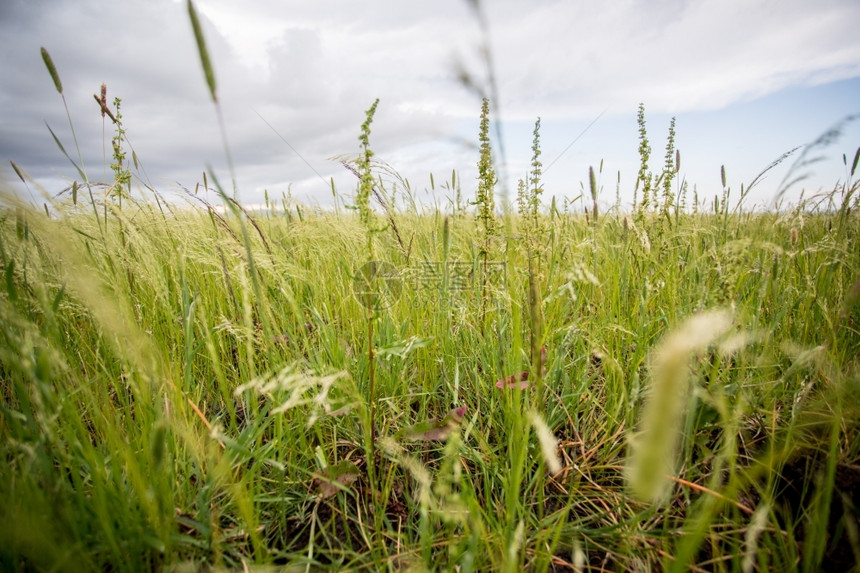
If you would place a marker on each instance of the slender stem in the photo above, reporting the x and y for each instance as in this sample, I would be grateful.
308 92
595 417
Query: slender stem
370 360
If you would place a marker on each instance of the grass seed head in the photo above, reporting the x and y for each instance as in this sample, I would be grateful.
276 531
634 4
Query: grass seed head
18 171
653 448
548 443
49 63
208 71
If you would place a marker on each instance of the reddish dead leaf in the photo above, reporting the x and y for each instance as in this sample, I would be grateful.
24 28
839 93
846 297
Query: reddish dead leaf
456 415
435 430
337 478
520 381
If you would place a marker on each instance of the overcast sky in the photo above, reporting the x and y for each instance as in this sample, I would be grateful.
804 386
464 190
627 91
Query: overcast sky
747 80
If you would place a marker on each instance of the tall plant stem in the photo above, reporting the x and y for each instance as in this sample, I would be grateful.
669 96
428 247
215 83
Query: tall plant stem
370 360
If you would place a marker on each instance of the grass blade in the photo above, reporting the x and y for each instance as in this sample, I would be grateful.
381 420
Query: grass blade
208 71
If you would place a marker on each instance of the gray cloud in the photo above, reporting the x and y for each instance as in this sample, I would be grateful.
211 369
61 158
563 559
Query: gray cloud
310 69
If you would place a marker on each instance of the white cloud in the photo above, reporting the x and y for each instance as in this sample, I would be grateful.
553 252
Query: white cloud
312 68
678 56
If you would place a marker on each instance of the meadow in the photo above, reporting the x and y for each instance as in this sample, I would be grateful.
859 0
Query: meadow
393 386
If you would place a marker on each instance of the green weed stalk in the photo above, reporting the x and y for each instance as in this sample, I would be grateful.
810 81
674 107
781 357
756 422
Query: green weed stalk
486 205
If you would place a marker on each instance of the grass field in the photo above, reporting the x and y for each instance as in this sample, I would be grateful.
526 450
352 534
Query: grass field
394 387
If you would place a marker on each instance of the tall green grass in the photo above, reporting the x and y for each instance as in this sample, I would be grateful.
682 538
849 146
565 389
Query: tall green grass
195 387
127 444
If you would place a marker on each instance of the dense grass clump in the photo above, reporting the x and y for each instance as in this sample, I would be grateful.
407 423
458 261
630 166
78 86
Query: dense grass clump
185 387
200 386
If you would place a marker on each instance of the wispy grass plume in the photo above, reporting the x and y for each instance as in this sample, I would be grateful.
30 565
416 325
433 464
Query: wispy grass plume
653 448
548 443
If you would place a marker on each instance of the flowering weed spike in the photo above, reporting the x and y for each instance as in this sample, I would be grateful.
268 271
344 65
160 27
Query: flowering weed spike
644 154
486 181
485 201
365 174
122 176
536 164
669 170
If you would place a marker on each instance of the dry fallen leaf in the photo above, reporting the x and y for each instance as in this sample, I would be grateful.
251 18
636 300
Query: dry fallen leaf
337 478
435 430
